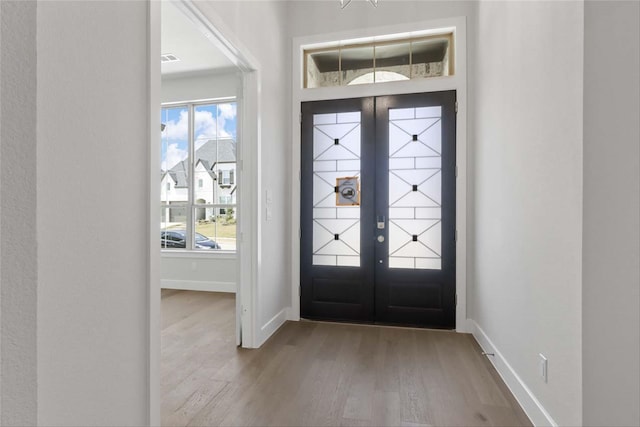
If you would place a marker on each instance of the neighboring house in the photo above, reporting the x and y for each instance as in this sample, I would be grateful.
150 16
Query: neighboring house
214 180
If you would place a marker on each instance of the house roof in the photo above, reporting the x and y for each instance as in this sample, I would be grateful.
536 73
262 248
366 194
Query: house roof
209 154
220 151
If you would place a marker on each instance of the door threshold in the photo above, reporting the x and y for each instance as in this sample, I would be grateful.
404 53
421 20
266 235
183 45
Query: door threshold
376 324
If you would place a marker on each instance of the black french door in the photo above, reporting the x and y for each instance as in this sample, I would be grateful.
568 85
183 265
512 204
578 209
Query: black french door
378 210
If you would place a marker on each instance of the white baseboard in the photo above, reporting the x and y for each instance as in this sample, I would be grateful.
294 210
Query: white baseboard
273 325
193 285
531 405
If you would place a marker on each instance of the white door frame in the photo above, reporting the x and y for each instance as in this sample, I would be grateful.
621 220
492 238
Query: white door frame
458 82
153 272
248 238
248 165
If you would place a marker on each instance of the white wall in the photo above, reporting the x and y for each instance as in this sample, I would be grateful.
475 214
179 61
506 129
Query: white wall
215 84
18 258
1 49
611 254
262 28
199 272
528 197
93 117
318 17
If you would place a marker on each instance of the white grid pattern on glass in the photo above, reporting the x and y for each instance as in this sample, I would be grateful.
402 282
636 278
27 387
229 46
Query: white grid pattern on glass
336 154
415 188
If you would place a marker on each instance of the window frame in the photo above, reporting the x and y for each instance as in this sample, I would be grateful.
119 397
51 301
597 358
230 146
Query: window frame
191 204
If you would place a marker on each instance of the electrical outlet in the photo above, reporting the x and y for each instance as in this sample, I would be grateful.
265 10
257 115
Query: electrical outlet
543 367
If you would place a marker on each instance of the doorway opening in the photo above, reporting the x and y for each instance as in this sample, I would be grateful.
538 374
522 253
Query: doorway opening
206 195
378 209
199 144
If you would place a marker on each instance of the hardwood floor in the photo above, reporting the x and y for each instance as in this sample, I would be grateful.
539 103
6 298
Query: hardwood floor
322 374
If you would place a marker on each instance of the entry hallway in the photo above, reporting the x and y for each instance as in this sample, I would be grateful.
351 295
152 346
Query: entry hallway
322 374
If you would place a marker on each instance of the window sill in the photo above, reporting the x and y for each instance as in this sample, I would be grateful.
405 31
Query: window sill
168 253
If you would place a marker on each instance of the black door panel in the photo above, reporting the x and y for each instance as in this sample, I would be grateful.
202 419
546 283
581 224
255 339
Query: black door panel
378 210
423 150
332 134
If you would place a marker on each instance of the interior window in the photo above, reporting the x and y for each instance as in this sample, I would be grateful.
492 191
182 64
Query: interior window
198 157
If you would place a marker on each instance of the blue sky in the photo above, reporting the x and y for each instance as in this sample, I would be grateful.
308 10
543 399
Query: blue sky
210 120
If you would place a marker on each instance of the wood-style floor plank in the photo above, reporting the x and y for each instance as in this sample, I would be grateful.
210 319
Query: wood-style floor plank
322 374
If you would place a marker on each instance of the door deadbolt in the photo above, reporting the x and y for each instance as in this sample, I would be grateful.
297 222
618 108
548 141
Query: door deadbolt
381 238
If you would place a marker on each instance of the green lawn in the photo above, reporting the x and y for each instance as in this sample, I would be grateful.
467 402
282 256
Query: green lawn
209 230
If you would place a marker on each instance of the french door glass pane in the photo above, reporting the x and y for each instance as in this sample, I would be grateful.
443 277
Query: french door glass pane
336 164
415 188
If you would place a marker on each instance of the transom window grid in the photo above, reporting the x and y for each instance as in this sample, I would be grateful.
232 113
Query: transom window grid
378 61
336 155
204 223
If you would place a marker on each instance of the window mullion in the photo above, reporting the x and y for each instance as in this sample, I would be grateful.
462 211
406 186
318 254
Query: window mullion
374 63
410 59
340 66
191 193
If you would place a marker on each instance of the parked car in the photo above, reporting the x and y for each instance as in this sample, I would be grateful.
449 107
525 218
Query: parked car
174 239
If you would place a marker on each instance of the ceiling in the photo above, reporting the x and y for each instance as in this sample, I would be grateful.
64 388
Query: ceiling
181 38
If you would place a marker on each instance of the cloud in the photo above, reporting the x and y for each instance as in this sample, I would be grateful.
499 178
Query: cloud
227 114
179 129
228 111
173 156
206 127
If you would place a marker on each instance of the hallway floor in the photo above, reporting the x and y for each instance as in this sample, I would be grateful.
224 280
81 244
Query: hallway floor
322 374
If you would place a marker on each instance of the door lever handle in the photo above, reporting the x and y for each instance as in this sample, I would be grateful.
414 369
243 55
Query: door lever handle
380 222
